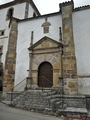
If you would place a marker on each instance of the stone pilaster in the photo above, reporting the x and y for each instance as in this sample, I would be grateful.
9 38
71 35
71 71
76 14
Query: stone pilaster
10 64
69 59
26 10
29 80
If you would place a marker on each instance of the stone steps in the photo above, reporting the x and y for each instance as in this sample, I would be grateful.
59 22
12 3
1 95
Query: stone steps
47 101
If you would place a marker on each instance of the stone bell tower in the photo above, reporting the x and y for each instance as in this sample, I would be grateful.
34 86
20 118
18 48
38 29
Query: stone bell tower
69 59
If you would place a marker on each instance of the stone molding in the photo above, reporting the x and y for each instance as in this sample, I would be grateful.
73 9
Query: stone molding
51 53
43 39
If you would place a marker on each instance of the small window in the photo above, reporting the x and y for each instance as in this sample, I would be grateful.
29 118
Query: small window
45 26
1 47
2 32
34 15
9 14
46 29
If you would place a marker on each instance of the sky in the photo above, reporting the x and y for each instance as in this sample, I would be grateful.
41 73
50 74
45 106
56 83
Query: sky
50 6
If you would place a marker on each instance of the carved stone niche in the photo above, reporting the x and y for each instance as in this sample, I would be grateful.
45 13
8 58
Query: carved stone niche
45 26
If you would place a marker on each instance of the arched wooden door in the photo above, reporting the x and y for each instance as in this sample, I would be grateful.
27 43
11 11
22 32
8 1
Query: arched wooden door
45 75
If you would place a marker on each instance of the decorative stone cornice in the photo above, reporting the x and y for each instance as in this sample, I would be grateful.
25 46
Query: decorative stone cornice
74 9
43 39
66 4
82 8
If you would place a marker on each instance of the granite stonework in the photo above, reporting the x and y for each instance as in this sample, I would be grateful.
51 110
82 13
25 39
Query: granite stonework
50 101
69 59
10 64
46 50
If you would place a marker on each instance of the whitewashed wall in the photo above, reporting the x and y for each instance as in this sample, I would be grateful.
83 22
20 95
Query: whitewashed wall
24 35
81 26
19 12
31 11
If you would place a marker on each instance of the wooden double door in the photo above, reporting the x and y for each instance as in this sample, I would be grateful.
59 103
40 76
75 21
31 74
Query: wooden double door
45 75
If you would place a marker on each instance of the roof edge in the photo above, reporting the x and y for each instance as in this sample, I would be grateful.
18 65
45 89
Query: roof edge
18 2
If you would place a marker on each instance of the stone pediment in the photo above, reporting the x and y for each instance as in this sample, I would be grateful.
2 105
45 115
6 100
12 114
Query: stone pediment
45 43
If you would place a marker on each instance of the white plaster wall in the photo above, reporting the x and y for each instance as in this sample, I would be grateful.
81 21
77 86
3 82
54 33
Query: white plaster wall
4 38
4 43
19 11
81 27
24 35
31 11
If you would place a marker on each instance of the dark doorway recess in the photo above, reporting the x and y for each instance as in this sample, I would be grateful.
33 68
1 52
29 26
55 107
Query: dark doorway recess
45 75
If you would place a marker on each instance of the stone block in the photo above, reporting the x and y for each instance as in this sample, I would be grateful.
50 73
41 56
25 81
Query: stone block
69 66
12 55
9 87
57 65
11 71
10 66
14 66
8 76
72 85
67 76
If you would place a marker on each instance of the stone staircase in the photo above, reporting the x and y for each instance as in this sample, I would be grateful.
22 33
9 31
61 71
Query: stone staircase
50 102
36 99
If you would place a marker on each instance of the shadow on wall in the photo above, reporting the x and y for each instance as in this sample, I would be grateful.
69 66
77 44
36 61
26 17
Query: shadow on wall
1 77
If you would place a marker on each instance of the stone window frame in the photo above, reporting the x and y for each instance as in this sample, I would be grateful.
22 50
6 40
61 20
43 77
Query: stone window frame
10 13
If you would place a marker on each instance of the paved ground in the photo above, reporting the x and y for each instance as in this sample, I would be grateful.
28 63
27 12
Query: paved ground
8 113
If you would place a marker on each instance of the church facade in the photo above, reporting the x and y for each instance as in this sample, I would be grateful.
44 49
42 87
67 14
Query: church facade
45 48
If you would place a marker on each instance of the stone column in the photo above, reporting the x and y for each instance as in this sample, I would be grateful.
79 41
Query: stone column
29 80
9 75
69 59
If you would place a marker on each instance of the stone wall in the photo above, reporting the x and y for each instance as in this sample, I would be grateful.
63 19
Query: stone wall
69 59
10 64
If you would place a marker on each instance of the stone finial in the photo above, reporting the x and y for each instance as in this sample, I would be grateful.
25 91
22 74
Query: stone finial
31 38
60 34
46 19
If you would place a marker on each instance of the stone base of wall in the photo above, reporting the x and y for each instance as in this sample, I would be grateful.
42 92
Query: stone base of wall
50 102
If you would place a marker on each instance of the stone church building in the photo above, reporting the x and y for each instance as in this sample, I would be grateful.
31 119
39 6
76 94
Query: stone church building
45 49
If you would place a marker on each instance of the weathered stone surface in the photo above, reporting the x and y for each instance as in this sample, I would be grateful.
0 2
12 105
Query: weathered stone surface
72 85
11 58
67 34
8 76
69 60
46 51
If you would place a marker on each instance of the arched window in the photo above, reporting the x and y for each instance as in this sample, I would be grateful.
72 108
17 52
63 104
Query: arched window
9 14
34 15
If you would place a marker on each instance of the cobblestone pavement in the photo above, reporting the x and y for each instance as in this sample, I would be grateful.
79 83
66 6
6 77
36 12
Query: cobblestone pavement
8 113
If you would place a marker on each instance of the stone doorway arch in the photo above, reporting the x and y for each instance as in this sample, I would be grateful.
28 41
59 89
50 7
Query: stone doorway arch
45 75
